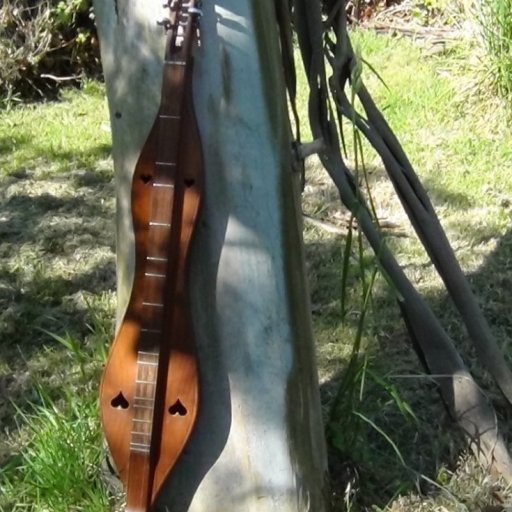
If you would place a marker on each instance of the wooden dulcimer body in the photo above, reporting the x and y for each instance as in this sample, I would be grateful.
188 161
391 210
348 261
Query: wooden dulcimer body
149 390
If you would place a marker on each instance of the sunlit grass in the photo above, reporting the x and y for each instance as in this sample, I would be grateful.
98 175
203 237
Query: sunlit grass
58 468
57 289
459 145
58 136
56 300
495 21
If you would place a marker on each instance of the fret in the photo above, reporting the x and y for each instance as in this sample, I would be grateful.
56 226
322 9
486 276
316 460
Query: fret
155 258
160 224
167 116
168 164
144 437
153 304
176 62
144 408
195 11
151 274
144 380
147 357
152 331
139 406
144 424
136 443
151 363
142 447
166 185
139 450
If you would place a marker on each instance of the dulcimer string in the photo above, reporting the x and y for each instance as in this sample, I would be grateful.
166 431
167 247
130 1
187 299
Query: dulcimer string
150 385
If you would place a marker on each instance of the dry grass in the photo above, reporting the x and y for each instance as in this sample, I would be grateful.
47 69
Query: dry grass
58 276
460 146
57 270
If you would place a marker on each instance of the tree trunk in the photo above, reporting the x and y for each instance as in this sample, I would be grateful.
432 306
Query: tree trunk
258 444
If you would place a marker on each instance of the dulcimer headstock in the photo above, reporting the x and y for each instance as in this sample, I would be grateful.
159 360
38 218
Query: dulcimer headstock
180 25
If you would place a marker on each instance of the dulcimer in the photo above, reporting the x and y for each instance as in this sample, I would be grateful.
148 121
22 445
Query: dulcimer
150 386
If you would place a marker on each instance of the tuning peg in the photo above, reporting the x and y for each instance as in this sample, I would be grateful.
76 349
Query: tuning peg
165 22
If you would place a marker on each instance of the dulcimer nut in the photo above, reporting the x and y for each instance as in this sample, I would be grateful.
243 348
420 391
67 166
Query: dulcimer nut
194 11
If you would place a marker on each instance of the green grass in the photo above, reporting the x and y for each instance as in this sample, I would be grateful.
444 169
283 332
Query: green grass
59 468
460 145
496 25
390 439
52 458
33 137
56 299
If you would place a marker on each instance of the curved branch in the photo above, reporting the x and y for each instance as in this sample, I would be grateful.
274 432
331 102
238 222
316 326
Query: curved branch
465 400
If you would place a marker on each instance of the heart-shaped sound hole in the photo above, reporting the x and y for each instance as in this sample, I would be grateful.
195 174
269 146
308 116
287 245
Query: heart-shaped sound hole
145 178
177 408
119 401
189 182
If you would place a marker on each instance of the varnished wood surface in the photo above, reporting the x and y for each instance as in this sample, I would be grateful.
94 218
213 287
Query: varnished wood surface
176 394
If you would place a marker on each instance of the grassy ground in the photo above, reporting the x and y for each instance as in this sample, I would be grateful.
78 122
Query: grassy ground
395 436
57 284
396 449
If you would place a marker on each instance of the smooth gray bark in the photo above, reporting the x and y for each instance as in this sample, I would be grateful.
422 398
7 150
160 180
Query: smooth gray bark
258 444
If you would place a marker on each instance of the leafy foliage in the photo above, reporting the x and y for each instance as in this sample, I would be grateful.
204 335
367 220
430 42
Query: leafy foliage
44 44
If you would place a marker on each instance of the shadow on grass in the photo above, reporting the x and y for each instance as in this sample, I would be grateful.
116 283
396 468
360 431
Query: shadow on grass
56 261
324 197
432 443
7 144
57 270
440 195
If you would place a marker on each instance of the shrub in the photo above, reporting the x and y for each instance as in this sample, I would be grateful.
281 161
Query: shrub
44 43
